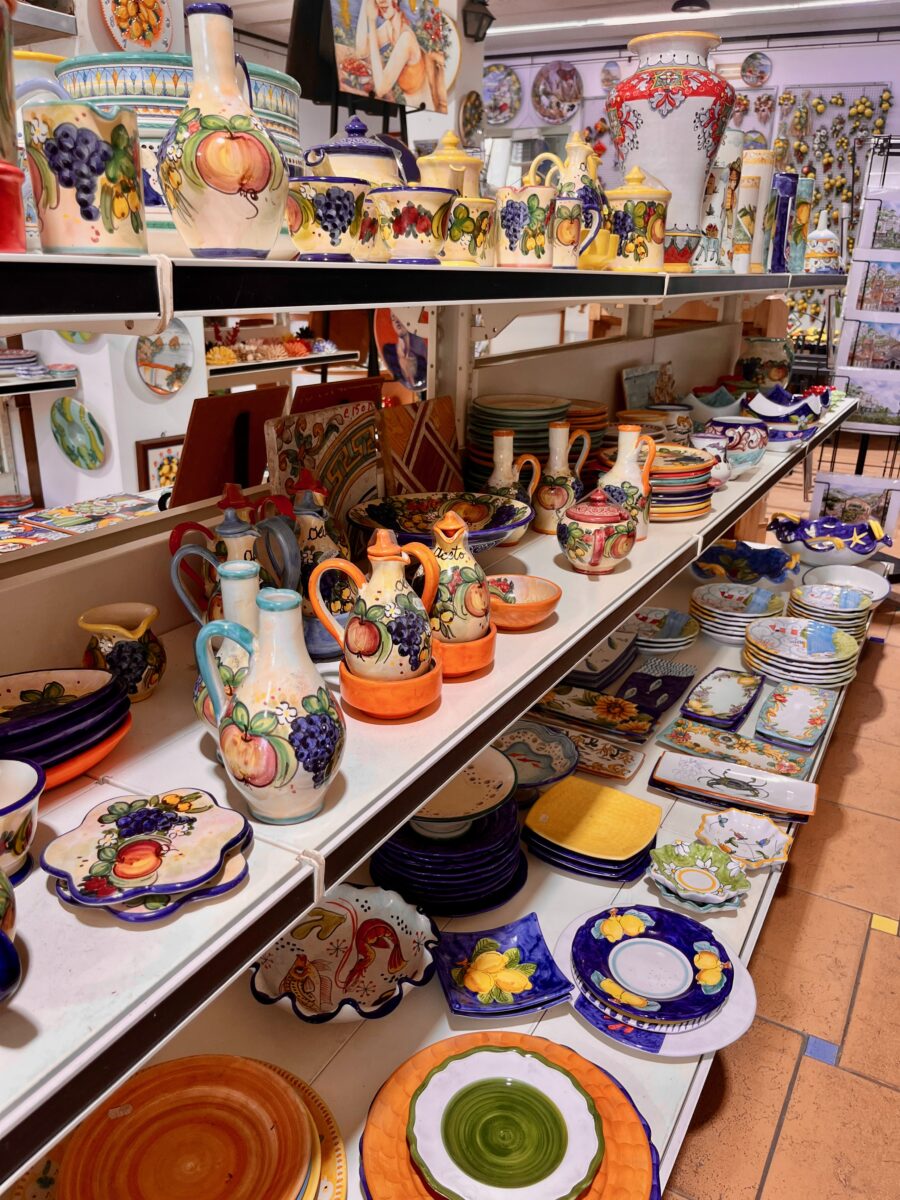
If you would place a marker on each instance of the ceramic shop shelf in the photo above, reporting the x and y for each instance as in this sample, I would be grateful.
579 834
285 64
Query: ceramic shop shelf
96 999
32 23
44 383
271 365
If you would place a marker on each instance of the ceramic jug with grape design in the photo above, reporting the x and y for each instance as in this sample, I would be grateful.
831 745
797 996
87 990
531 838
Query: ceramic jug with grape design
627 482
560 485
281 735
462 608
222 177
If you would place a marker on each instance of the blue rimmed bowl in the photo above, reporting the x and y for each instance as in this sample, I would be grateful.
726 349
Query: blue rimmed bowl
826 540
491 519
21 785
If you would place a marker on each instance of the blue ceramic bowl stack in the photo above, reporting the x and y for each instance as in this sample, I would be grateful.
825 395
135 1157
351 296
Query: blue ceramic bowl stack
473 873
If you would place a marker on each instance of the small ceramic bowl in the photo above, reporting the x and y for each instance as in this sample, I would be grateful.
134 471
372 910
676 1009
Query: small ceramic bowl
21 784
784 436
413 221
698 871
748 438
521 601
324 213
752 841
700 400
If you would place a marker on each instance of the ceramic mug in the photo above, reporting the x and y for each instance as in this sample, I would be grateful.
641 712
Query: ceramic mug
525 218
470 233
21 785
413 221
85 167
324 214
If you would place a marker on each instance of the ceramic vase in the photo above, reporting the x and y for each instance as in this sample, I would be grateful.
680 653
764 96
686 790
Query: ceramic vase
806 186
627 483
595 535
525 218
580 207
766 362
505 479
757 167
222 176
239 582
123 642
281 735
784 191
670 116
714 248
560 484
823 249
638 218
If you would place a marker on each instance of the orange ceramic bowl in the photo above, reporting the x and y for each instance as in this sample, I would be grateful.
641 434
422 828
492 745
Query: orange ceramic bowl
395 699
521 601
465 658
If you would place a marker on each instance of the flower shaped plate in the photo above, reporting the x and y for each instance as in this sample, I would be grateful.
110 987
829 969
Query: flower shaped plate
723 696
753 841
540 754
137 846
357 948
708 910
468 1110
697 871
796 714
656 964
491 519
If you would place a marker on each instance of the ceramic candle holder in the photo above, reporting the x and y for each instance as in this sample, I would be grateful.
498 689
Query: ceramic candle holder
123 642
470 233
324 214
21 785
413 221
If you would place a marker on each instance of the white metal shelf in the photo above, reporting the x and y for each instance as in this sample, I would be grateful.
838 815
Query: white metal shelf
96 1001
44 383
227 374
33 23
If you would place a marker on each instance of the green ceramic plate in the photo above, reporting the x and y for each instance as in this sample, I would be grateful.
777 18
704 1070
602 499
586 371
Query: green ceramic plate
695 871
77 433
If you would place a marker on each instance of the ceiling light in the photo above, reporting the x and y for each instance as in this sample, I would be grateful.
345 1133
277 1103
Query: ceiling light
690 6
477 19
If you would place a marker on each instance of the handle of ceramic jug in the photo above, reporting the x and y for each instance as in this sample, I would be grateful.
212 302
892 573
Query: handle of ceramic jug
32 87
590 203
281 504
585 449
528 460
530 179
176 537
206 659
424 555
646 440
315 595
175 569
282 550
786 516
242 63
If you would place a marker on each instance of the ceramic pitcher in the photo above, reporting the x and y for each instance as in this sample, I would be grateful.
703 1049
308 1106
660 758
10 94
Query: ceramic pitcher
281 735
222 176
123 642
388 636
505 479
627 483
461 611
525 226
580 203
560 485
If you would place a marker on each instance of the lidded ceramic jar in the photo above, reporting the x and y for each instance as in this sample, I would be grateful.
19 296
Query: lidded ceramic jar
450 166
639 218
355 154
596 535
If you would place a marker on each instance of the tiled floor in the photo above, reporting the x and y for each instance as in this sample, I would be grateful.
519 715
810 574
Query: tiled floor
807 1104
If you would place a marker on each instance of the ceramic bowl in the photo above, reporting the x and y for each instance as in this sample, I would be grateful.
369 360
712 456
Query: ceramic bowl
742 562
21 785
727 405
521 601
356 949
854 577
41 703
748 438
491 519
752 841
784 436
324 214
826 540
698 871
798 412
413 221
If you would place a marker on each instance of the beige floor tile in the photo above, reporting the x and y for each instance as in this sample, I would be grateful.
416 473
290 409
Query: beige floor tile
872 711
838 1141
872 1043
851 855
853 775
740 1106
668 1194
879 664
806 961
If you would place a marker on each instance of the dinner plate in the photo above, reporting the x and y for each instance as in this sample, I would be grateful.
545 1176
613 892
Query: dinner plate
32 700
482 786
71 768
540 754
594 820
796 714
799 640
723 696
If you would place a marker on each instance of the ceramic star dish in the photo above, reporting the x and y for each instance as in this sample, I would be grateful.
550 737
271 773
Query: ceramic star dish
480 788
729 785
752 841
794 714
699 872
540 754
694 738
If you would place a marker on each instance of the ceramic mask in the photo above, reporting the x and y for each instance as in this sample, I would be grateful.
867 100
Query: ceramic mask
388 636
670 116
525 217
627 482
596 535
461 611
505 479
281 735
123 642
560 485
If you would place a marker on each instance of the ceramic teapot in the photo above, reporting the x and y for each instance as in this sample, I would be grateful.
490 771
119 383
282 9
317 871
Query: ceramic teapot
560 485
356 155
580 202
461 611
388 635
449 166
595 535
281 735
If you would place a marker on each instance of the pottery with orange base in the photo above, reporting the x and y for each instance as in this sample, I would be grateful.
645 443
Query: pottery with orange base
71 768
123 642
398 699
560 485
521 601
461 612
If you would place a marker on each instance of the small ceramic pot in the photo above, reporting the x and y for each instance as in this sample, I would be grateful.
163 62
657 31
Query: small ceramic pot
324 213
470 233
123 642
413 221
524 223
595 535
639 220
521 601
85 168
747 438
784 435
678 418
21 785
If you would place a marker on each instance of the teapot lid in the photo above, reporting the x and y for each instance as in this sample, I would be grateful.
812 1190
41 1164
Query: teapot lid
450 153
231 525
596 508
354 141
640 186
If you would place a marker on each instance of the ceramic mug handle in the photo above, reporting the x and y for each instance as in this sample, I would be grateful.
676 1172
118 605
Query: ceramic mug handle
425 557
591 207
175 569
528 460
646 440
315 595
585 449
206 660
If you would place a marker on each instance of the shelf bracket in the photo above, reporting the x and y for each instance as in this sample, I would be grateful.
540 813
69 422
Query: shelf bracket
317 862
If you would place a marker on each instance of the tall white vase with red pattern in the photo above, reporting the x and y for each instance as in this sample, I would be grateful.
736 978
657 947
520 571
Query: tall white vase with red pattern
669 117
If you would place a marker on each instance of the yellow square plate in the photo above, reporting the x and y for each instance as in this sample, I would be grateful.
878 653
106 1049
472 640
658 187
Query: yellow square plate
594 820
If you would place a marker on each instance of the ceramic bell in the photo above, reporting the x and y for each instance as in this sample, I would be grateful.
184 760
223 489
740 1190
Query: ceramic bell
595 535
450 166
559 485
823 250
390 667
461 612
639 219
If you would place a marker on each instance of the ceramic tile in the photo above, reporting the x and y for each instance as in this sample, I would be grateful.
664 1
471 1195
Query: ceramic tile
870 711
886 925
849 856
730 1114
853 775
805 962
835 1139
879 664
872 1041
826 1052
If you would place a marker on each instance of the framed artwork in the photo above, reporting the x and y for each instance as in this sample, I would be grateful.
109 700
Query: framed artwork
855 498
878 393
879 289
399 51
157 461
653 384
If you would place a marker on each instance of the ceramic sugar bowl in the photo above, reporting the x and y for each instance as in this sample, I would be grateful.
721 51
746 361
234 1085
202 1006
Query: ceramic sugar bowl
461 612
123 642
390 668
595 535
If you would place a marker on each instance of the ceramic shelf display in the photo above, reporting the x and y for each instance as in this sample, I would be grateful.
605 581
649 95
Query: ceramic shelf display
560 485
639 220
670 116
390 667
627 482
757 167
580 209
470 238
595 535
461 611
281 735
123 642
717 215
505 479
222 176
823 249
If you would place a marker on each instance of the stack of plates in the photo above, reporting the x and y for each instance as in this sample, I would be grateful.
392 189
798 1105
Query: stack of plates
844 607
725 610
471 873
12 505
656 969
606 662
593 830
491 1113
66 720
528 417
12 360
208 1126
141 858
680 487
662 630
802 651
595 712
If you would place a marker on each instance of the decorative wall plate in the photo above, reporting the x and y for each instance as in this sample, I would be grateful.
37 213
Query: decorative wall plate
756 69
541 755
752 841
796 714
77 337
77 433
698 871
727 783
471 118
164 361
557 91
502 92
691 737
483 785
594 820
143 26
